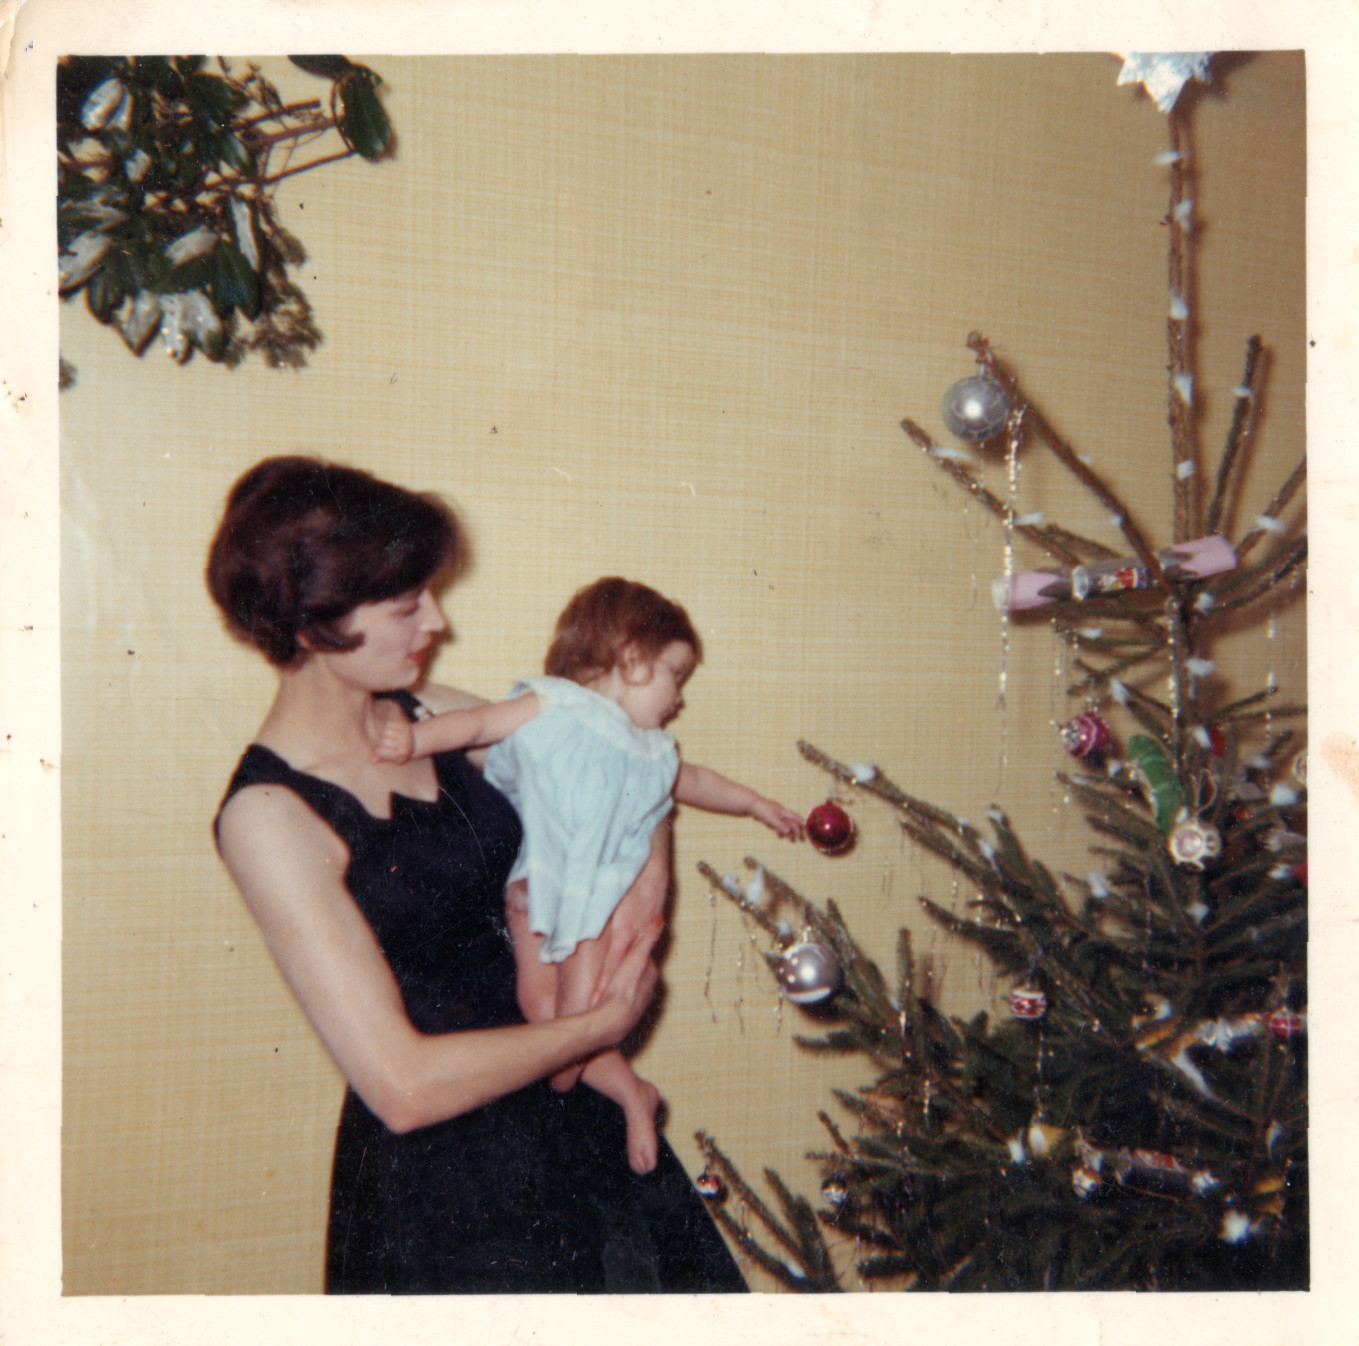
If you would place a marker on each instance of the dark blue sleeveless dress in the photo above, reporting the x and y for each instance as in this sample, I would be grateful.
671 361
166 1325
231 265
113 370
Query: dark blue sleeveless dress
527 1195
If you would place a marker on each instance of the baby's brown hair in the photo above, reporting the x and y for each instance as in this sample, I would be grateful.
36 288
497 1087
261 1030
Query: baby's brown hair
606 619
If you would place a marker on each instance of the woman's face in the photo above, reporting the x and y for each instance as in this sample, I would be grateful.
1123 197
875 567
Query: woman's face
398 634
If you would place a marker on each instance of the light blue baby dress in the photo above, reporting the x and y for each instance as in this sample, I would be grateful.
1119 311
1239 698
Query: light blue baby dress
589 787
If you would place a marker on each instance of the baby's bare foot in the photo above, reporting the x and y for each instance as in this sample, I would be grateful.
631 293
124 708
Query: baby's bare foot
640 1113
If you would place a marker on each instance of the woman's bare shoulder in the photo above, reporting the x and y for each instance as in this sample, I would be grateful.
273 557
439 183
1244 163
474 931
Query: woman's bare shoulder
266 818
439 698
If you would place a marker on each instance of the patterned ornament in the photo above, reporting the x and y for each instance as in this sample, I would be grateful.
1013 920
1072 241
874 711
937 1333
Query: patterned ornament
709 1186
1086 735
1028 1002
808 973
1085 1181
1165 1170
975 409
1287 1024
830 829
834 1192
1193 841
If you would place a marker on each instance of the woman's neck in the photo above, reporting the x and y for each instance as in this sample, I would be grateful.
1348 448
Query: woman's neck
315 717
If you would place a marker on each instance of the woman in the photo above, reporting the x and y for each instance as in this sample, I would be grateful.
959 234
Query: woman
379 891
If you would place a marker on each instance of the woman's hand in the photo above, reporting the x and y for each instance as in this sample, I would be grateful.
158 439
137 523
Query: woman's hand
640 913
629 990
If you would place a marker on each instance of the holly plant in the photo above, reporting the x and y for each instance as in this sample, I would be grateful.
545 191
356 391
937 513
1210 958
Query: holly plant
166 172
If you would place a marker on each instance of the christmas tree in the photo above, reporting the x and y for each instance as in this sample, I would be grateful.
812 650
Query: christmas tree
1138 1119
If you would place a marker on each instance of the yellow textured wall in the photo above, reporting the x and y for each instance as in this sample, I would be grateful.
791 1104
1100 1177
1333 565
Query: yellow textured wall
658 316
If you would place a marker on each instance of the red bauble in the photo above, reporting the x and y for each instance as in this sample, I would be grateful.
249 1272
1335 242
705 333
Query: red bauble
829 828
1086 735
1286 1024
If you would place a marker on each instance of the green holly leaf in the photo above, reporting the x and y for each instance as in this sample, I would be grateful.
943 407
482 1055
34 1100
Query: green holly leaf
188 165
234 283
160 75
232 150
76 76
103 294
195 274
327 67
212 100
363 120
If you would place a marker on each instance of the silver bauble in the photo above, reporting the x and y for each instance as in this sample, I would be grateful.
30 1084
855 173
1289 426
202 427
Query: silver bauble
808 972
975 409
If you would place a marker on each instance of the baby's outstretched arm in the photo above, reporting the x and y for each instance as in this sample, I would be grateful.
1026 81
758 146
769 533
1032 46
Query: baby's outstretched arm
707 789
453 730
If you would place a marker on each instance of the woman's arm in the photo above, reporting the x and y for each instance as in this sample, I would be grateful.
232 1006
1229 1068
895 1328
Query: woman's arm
289 867
706 789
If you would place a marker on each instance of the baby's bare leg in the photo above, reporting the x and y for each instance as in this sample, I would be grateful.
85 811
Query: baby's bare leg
576 980
609 1072
535 981
547 990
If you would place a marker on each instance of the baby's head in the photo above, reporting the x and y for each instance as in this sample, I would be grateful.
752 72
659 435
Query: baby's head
619 638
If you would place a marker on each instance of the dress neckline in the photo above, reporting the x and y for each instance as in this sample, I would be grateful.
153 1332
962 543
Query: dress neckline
393 796
415 709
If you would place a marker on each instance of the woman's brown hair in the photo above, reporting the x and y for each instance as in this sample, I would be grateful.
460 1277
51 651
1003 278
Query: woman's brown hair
607 619
302 543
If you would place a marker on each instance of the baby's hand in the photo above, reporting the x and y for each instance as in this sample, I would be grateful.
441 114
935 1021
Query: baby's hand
397 743
779 819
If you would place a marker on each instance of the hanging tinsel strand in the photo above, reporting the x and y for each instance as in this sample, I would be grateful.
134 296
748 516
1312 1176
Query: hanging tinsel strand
1088 478
1058 542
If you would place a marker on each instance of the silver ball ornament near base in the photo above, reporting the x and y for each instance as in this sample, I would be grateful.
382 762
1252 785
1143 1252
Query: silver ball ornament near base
808 973
975 409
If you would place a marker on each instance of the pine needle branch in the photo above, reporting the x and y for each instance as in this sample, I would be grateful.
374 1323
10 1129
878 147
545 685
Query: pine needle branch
1285 494
1066 546
1073 464
1243 420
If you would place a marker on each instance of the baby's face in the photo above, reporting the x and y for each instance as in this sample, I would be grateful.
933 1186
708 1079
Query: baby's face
653 692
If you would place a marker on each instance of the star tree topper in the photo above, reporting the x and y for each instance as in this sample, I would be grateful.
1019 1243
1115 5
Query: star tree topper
1163 73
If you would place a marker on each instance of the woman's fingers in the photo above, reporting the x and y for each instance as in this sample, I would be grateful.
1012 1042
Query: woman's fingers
632 976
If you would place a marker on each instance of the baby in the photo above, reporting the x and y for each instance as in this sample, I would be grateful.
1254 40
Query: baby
583 755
